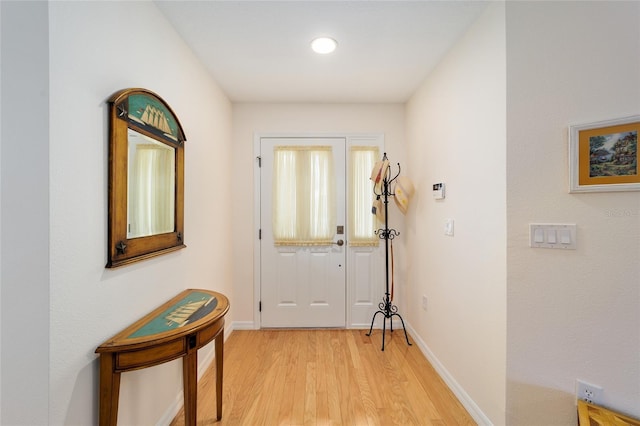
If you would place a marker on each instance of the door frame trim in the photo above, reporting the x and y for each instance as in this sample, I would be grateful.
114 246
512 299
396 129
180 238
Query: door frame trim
257 269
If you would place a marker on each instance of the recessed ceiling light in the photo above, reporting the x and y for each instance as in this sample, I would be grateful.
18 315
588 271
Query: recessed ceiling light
324 45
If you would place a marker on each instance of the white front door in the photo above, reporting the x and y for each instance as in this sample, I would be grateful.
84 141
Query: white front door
302 285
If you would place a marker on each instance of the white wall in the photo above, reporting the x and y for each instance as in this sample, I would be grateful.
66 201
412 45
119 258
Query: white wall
456 134
1 213
96 49
572 314
24 201
251 119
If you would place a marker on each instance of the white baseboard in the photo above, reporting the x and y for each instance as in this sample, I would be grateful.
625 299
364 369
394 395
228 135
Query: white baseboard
243 325
464 398
250 325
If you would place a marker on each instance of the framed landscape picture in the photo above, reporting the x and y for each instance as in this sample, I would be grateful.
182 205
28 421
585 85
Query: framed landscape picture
603 156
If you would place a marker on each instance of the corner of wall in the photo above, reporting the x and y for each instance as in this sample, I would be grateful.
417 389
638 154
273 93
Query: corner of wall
456 133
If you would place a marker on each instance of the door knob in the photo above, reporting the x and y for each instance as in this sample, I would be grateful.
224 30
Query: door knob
339 242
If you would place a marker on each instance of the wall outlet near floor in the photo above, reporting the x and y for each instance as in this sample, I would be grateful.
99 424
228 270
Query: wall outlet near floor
588 392
424 302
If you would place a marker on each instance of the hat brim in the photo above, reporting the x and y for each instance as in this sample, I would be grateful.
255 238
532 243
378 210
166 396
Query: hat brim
378 174
404 190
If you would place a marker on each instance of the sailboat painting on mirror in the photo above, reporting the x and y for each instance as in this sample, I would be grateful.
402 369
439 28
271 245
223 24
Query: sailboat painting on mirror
153 115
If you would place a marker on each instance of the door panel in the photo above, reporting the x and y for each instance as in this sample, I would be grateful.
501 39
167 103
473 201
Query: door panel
301 286
317 286
366 274
365 264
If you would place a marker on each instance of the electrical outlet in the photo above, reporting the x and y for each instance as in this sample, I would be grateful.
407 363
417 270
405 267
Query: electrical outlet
588 392
424 302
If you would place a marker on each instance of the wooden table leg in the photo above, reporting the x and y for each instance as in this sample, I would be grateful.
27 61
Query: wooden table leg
109 390
219 342
190 382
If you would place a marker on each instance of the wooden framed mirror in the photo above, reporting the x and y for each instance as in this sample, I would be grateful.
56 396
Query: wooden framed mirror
146 178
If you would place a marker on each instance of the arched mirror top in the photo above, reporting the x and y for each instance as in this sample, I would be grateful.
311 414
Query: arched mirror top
144 110
146 178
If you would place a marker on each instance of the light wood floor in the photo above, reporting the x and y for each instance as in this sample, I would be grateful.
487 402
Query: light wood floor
326 377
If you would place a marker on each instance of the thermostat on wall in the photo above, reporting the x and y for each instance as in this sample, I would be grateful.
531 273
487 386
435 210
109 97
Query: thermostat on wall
438 191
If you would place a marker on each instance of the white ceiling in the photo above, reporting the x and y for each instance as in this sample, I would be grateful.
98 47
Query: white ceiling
258 51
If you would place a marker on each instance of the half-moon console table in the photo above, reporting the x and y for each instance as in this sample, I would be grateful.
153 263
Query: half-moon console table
177 329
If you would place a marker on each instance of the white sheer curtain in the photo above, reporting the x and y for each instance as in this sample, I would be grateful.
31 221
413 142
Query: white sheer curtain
151 191
362 223
304 198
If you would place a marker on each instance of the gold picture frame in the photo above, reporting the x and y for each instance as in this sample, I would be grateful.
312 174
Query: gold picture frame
603 156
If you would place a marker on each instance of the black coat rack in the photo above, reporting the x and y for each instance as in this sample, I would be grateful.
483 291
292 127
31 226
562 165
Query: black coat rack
386 307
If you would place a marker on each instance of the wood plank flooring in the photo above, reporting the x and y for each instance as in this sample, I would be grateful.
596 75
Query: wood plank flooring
326 377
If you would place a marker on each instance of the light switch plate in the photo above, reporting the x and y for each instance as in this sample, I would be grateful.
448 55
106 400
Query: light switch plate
552 235
448 227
